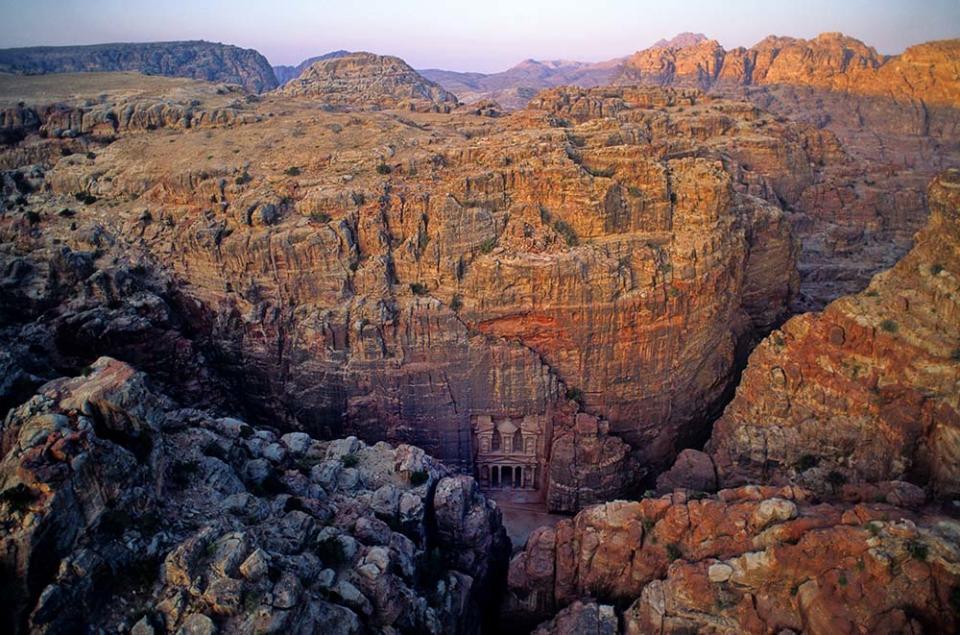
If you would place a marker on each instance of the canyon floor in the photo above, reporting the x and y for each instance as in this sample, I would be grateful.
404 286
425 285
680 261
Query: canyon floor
680 353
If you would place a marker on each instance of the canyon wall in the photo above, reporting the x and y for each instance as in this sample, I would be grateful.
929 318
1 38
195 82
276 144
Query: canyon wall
207 61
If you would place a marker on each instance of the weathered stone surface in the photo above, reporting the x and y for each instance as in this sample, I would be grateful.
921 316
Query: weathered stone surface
605 272
365 80
753 559
865 391
118 514
199 60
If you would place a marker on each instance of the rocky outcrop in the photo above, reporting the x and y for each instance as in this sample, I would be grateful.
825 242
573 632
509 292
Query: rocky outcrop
749 560
607 248
867 390
286 73
896 117
368 81
208 61
124 512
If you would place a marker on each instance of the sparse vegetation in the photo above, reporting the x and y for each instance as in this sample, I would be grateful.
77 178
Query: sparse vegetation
601 172
292 171
456 303
842 580
320 217
383 168
350 460
918 550
806 462
575 394
634 191
358 198
673 552
243 179
487 245
836 479
419 477
18 497
418 288
955 355
936 268
561 227
85 197
889 326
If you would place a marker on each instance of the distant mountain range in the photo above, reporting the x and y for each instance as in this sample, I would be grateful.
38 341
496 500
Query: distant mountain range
208 61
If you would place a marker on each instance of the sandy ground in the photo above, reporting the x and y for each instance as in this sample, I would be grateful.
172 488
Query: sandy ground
521 519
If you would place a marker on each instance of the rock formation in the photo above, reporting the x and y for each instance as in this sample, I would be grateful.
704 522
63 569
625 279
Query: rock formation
285 73
868 389
604 252
126 512
753 559
207 61
365 80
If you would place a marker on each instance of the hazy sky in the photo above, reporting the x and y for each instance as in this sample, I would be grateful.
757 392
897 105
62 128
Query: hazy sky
481 35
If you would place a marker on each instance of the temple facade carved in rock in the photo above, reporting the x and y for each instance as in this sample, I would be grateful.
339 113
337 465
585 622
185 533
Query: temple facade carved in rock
510 452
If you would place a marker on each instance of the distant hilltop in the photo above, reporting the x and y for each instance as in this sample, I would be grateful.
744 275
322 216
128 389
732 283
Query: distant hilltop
208 61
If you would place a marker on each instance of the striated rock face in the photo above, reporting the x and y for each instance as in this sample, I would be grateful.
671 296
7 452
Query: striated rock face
367 81
754 559
123 511
868 390
197 59
896 116
595 264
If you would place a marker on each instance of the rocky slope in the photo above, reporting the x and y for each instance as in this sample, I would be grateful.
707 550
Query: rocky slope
868 389
124 511
598 261
365 80
285 73
896 116
208 61
753 559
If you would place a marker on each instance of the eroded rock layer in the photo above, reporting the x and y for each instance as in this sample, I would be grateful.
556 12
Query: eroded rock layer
207 61
365 80
401 275
125 512
867 390
750 560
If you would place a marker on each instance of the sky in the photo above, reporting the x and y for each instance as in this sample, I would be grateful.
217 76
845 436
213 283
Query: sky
479 35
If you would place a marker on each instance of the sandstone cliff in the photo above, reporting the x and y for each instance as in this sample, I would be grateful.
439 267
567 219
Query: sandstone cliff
365 80
285 73
753 559
208 61
867 390
126 512
598 262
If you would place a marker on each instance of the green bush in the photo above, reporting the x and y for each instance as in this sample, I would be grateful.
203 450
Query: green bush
456 303
85 197
889 326
418 288
936 268
419 477
673 552
350 460
320 217
565 230
358 198
487 245
836 479
575 394
243 179
918 550
806 462
383 168
292 171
